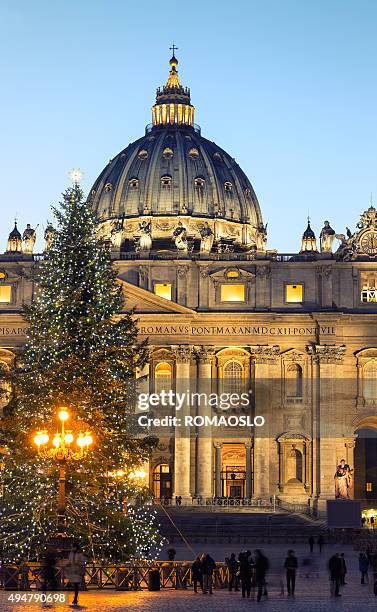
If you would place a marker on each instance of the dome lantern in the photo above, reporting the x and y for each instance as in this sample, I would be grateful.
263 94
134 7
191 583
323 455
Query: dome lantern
173 105
308 242
14 241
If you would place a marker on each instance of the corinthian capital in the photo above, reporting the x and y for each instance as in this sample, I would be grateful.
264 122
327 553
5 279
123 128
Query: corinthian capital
204 353
182 353
264 353
326 353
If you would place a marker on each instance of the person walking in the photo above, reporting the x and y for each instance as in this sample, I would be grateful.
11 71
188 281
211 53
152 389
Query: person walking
261 569
245 565
49 572
363 567
335 569
233 566
320 543
291 565
75 569
196 572
311 543
208 567
344 569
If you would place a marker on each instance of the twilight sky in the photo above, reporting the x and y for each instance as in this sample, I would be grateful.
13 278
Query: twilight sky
287 87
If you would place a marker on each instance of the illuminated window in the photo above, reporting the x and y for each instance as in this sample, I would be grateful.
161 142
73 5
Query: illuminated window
5 294
232 274
232 293
162 377
233 377
368 487
2 275
294 294
166 181
163 290
228 186
368 283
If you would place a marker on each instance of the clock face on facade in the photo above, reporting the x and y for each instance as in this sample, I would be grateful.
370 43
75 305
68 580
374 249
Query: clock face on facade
368 243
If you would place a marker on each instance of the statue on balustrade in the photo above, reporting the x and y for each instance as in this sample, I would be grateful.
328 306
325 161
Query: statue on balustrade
180 237
207 238
29 237
145 241
326 237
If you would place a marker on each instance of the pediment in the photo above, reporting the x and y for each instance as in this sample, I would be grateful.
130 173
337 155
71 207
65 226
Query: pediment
142 301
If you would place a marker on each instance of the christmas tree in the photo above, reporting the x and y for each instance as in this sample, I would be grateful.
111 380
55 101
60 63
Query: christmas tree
82 354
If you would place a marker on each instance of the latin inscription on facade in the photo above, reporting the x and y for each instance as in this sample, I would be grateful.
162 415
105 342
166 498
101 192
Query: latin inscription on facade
235 330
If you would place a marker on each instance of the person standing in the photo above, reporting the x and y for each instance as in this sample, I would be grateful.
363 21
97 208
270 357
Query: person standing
196 572
261 569
335 569
75 569
291 565
245 565
208 567
363 567
344 569
311 543
233 565
320 542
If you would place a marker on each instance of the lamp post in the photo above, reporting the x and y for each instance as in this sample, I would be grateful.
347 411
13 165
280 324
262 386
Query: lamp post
62 450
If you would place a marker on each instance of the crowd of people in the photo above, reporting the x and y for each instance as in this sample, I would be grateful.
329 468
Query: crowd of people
248 574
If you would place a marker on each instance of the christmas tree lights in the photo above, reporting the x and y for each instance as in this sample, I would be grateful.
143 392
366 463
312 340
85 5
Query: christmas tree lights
83 354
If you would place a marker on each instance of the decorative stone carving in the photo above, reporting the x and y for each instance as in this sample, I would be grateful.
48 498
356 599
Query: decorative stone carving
326 353
326 237
324 271
29 237
203 271
182 271
263 271
204 354
182 353
207 238
265 353
180 237
143 274
145 240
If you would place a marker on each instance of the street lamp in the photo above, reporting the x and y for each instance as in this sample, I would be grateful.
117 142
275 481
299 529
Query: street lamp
62 449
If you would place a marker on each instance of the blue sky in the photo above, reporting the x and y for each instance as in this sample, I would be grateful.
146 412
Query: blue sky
287 87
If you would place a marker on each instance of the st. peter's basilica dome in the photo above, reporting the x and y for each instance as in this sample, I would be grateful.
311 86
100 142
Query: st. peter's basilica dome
172 175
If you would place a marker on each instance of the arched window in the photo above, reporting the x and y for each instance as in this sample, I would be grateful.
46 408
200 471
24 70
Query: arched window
162 481
233 377
370 380
133 183
166 182
228 186
162 377
293 380
167 153
199 182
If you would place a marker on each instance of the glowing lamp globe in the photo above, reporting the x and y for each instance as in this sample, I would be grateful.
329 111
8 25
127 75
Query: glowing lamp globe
68 438
63 414
56 441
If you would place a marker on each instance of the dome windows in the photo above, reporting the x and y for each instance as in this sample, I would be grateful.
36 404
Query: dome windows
166 182
133 183
247 192
199 182
108 187
228 186
167 153
143 154
193 153
217 157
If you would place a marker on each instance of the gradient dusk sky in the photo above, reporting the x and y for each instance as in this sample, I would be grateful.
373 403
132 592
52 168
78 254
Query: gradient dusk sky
287 87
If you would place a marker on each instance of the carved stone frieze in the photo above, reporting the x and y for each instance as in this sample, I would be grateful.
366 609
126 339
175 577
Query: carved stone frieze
326 353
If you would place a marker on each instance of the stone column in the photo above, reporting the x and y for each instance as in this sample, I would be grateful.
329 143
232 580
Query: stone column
204 471
218 447
325 282
249 484
203 287
182 433
143 277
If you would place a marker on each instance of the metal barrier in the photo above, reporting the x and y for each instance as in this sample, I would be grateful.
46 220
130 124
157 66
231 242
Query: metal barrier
128 576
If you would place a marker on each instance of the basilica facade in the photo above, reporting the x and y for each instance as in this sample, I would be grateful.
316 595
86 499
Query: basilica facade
223 313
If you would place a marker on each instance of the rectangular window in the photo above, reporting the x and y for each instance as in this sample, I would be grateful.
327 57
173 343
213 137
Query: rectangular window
368 283
163 290
294 294
5 294
232 293
369 487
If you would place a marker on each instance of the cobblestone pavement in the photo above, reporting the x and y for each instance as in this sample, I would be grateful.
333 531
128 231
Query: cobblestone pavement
312 594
